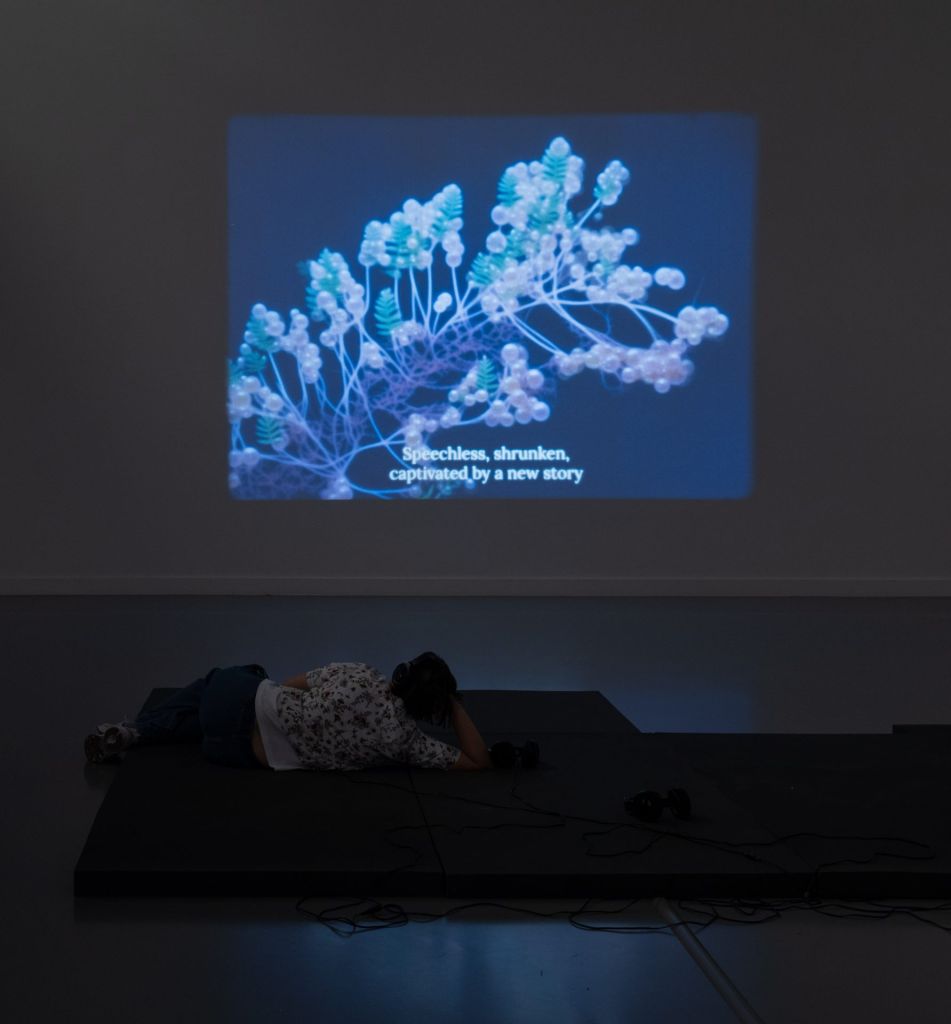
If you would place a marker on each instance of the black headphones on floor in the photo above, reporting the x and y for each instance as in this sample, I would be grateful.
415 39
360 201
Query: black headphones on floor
648 805
507 755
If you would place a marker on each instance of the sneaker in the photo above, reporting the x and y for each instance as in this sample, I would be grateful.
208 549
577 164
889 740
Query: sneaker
108 742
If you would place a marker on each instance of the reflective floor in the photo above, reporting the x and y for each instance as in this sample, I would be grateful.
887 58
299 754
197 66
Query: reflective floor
703 665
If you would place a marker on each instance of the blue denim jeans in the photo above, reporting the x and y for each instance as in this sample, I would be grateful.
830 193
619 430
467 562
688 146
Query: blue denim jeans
216 711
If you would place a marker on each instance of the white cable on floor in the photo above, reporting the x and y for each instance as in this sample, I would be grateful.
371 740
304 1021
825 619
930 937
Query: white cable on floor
732 995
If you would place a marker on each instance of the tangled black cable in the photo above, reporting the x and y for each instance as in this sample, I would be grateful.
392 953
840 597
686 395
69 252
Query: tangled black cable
392 915
875 910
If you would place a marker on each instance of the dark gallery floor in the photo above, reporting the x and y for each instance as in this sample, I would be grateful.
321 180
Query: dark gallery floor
830 666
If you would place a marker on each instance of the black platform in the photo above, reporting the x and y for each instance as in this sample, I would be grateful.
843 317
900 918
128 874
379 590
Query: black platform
173 824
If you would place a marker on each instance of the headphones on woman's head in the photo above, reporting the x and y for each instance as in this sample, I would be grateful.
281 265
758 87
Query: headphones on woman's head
422 661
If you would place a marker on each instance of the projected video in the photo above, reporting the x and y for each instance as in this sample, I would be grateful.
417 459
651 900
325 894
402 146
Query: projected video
490 308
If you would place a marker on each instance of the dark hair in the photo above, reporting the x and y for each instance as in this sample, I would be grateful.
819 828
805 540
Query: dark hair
426 687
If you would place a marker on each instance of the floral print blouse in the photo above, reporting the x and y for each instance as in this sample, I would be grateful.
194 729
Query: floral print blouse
348 719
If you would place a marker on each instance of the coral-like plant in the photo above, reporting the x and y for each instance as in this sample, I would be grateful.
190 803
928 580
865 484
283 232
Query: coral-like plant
390 372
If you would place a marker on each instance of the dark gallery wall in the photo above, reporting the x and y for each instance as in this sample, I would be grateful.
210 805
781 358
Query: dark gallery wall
114 292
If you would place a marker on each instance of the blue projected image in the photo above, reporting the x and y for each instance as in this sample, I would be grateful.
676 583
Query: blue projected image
596 343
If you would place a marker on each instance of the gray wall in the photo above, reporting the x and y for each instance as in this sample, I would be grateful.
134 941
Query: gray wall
114 283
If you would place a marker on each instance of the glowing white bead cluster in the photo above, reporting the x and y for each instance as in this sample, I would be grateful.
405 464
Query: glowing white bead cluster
502 295
420 216
242 397
450 417
512 401
467 391
297 342
267 319
422 226
242 458
611 182
373 249
296 335
623 283
407 332
661 365
371 354
310 363
606 245
415 427
239 404
338 489
670 277
331 284
532 185
247 457
452 243
516 401
693 325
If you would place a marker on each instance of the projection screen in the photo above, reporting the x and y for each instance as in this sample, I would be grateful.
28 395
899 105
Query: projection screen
490 307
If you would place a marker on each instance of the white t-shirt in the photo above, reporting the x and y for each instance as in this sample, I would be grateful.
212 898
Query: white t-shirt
347 719
281 756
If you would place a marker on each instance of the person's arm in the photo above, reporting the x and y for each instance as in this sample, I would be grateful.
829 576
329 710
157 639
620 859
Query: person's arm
475 754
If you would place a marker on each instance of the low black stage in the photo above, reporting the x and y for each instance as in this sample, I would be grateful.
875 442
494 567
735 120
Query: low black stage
173 824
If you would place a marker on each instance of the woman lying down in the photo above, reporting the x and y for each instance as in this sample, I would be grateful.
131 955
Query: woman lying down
345 715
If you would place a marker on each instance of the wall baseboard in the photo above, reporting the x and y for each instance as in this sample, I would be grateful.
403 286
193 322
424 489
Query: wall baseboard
474 586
